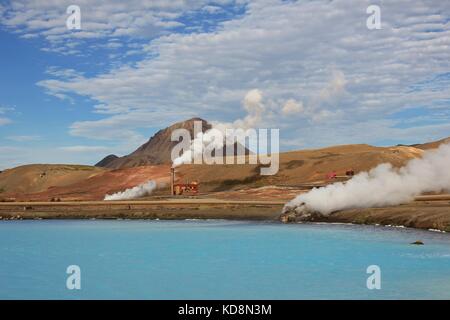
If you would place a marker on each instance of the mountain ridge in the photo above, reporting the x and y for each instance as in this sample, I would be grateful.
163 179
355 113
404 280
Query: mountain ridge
157 150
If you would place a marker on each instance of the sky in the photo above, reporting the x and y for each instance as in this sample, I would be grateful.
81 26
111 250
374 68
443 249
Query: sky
318 73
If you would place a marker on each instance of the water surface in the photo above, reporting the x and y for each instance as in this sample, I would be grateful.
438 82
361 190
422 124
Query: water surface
218 260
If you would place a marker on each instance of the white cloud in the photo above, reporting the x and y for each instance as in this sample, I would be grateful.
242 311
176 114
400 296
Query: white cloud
4 110
335 87
317 53
99 19
4 121
292 107
12 156
24 138
63 73
84 149
212 9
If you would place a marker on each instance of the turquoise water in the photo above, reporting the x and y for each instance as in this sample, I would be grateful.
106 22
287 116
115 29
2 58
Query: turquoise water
219 260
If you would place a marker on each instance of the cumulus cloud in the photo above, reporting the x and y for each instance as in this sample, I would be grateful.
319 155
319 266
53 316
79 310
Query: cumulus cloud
100 19
335 87
292 107
254 107
342 76
346 72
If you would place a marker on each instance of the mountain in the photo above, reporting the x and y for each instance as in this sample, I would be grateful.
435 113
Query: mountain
106 160
158 149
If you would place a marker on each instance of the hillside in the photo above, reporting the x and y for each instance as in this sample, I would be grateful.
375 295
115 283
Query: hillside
432 145
298 167
39 177
106 182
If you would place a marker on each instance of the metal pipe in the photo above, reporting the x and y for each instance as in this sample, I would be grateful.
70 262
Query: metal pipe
433 197
172 180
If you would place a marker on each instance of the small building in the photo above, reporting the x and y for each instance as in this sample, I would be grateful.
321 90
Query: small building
181 188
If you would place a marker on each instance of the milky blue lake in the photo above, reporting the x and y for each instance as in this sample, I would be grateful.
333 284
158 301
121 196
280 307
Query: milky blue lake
131 259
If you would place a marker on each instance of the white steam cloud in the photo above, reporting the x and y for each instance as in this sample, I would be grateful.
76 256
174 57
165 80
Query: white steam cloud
133 193
381 186
255 109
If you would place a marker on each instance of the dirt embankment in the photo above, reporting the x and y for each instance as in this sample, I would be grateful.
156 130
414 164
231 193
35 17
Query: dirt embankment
419 214
180 209
422 215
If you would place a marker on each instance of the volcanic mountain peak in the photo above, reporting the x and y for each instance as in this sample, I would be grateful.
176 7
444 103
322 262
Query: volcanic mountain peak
163 137
157 149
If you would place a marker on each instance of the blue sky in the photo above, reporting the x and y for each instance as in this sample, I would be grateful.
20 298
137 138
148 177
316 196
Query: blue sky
321 76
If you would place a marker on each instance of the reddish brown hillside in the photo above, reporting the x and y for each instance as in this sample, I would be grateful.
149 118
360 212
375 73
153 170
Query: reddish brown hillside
108 182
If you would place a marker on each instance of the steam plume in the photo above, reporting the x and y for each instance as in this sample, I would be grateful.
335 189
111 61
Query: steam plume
255 109
133 193
381 186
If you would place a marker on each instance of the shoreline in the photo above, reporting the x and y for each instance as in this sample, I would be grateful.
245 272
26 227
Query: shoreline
420 214
425 215
163 210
